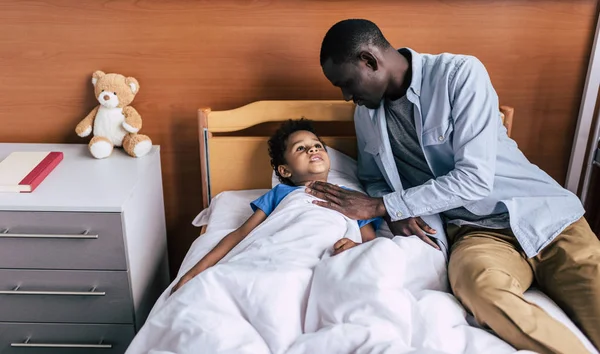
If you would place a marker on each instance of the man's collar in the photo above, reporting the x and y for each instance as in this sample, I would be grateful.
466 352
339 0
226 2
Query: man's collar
416 66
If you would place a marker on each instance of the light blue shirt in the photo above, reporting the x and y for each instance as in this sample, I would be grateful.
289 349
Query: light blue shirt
475 164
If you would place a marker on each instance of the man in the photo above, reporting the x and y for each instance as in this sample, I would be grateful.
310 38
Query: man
431 142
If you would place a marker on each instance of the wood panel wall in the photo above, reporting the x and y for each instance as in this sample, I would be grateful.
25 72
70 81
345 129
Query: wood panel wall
223 54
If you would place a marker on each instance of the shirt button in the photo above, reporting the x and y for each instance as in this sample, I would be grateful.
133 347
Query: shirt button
399 214
441 137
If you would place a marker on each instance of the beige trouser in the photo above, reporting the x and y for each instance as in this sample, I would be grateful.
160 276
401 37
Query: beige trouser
489 272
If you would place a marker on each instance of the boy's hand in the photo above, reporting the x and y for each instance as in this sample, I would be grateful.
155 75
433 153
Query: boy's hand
342 245
184 279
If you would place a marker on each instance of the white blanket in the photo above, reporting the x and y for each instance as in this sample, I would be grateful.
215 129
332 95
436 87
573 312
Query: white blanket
280 291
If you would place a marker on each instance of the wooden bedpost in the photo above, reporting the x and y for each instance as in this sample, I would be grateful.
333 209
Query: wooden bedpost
204 136
508 113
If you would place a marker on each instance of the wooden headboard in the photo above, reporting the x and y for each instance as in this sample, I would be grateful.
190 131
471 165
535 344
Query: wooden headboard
233 143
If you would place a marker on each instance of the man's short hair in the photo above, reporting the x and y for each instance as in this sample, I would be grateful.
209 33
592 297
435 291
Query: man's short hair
343 41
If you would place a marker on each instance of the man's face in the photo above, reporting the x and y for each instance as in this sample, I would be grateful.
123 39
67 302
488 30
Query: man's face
359 81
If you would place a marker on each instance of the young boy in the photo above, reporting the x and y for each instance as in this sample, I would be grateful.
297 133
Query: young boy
298 157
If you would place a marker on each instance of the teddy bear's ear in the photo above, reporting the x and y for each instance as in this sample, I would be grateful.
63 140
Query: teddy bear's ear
96 76
133 84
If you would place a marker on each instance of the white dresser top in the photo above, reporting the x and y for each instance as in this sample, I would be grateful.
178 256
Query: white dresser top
80 182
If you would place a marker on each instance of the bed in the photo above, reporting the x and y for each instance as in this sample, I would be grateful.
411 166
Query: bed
397 302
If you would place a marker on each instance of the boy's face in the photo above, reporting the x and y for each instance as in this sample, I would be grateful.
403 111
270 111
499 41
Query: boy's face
306 158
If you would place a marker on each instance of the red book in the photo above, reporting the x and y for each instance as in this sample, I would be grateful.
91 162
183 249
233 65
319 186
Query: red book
22 172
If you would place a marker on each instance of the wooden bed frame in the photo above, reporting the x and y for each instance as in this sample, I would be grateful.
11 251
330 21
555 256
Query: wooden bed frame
233 143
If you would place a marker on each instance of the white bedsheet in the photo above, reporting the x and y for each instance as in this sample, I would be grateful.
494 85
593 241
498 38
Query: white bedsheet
280 291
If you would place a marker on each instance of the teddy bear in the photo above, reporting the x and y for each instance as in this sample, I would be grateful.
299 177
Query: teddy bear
113 122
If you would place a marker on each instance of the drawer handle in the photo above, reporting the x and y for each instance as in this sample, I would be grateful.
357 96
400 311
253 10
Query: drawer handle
83 236
16 291
28 344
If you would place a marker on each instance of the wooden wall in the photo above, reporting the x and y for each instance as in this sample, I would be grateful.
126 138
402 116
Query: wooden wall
223 54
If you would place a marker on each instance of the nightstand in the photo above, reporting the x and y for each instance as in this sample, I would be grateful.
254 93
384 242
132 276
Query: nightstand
84 257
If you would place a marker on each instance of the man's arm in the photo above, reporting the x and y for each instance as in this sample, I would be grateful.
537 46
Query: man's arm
376 187
476 113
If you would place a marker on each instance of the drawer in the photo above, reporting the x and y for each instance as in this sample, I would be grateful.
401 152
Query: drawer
65 296
52 338
56 240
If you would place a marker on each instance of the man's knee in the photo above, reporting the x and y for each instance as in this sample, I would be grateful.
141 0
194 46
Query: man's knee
488 292
486 283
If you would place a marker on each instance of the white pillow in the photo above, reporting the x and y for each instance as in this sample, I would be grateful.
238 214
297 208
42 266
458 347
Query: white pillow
228 210
343 171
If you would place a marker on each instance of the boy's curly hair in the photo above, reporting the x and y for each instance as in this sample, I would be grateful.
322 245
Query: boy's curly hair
278 143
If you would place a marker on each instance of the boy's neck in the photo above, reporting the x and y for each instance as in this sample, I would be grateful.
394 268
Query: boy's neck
305 182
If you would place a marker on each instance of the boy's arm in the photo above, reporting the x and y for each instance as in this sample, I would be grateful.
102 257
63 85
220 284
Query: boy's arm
222 248
367 233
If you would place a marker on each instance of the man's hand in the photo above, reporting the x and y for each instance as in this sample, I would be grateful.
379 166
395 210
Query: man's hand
355 205
342 245
413 226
